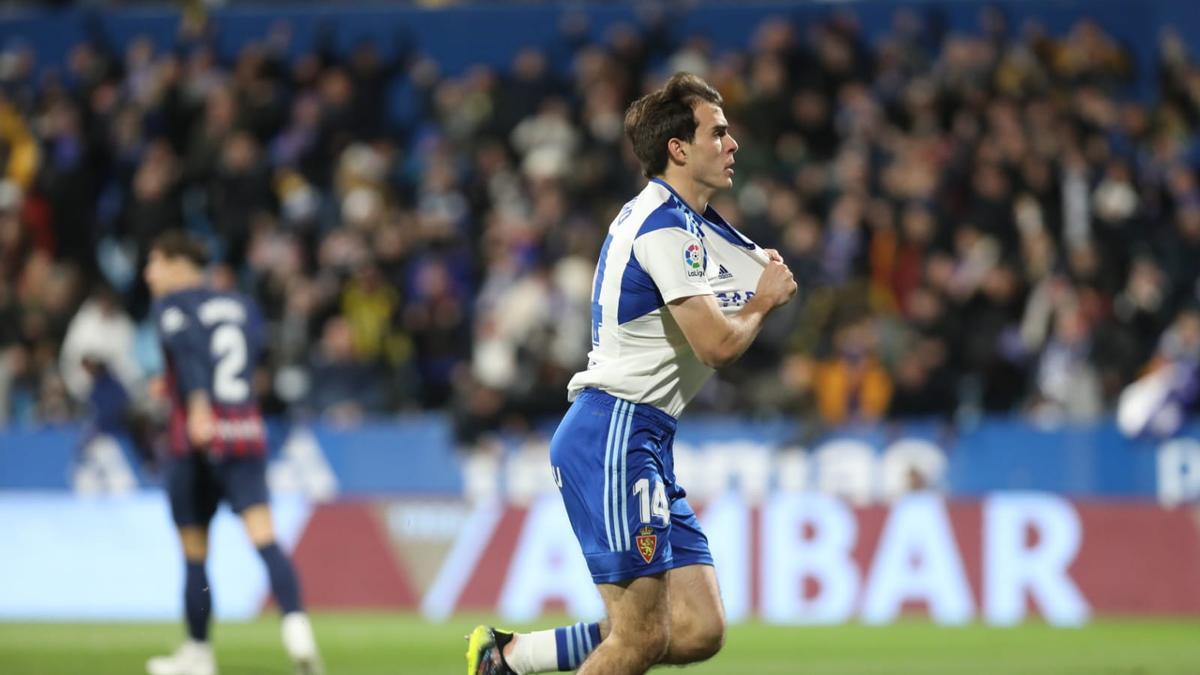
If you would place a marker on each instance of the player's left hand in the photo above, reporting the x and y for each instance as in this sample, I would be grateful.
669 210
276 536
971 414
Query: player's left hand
773 255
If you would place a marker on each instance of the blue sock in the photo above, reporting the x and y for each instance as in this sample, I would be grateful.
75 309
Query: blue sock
284 586
575 642
197 601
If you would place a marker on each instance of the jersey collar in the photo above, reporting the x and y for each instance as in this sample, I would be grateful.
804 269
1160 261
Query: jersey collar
711 218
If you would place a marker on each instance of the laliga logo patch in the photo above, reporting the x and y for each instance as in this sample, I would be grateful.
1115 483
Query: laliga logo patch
647 542
693 258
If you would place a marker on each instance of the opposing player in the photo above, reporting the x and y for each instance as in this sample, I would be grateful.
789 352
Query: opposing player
677 292
211 342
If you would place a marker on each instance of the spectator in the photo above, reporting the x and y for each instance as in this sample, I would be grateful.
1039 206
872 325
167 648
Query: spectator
1156 403
852 385
1019 249
98 347
344 389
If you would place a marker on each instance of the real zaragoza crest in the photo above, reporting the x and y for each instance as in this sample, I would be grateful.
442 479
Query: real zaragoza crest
647 542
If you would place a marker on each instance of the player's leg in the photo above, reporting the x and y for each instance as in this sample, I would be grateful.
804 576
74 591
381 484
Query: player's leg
193 499
563 648
559 649
697 615
245 487
639 615
284 586
578 452
614 490
197 596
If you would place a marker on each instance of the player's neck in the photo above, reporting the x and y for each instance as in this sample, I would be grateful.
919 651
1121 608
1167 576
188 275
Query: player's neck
185 283
693 193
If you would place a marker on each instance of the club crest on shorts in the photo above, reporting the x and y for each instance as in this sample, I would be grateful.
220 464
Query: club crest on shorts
647 542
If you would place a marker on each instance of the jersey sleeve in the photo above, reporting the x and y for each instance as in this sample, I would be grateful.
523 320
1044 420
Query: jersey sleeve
183 340
676 260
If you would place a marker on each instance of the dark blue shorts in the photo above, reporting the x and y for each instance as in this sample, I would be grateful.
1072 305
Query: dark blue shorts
197 484
613 464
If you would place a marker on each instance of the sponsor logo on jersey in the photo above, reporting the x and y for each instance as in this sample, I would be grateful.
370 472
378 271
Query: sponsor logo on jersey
173 320
693 258
246 428
734 298
723 273
647 542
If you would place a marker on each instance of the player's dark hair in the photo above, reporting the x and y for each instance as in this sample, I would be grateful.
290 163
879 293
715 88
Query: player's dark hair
663 114
178 244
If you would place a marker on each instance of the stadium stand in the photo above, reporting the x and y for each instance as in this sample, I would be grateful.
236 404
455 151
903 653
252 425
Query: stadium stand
1004 219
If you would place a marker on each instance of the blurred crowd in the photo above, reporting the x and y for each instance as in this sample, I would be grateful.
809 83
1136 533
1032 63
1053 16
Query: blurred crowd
980 223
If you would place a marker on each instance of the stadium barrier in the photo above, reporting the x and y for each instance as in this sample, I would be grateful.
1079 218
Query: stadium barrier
793 558
1002 523
418 456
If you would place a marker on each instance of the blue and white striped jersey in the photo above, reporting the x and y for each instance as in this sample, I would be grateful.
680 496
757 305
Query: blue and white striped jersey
658 250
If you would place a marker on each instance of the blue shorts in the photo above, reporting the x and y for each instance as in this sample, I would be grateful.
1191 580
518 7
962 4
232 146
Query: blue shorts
196 484
613 465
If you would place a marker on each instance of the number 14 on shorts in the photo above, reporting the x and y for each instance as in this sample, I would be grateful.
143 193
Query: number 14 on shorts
652 505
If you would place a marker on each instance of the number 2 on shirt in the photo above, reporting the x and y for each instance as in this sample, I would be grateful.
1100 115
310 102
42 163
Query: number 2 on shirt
229 347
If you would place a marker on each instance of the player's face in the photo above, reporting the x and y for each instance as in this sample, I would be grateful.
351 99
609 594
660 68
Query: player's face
153 273
158 274
711 156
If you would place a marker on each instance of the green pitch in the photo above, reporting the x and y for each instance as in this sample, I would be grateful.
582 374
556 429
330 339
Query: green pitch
366 644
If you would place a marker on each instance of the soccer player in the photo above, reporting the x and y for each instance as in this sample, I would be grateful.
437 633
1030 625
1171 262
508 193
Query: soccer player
211 342
677 292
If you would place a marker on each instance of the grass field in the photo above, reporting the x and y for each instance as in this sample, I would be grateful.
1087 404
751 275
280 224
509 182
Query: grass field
401 644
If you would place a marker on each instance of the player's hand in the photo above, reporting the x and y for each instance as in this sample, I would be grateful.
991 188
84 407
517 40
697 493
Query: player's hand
156 388
773 255
777 283
201 424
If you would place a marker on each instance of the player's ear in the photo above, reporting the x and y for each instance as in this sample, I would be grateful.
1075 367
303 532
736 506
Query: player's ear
677 151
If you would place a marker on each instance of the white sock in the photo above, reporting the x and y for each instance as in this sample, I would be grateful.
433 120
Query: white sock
298 638
534 653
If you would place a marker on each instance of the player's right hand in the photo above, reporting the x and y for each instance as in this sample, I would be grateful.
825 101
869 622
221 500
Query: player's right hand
776 283
156 388
201 423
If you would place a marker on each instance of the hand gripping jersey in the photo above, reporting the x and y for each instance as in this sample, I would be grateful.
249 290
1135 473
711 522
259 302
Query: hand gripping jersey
658 250
211 342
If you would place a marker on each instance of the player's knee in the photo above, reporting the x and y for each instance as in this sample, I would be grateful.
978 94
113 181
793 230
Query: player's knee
699 639
257 521
653 643
646 642
194 541
710 637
